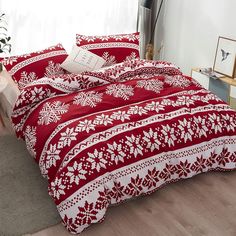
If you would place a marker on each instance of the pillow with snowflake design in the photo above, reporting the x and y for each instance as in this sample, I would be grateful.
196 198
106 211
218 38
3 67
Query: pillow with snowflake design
32 66
113 48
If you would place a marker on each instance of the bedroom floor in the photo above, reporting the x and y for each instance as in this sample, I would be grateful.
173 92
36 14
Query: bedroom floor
203 205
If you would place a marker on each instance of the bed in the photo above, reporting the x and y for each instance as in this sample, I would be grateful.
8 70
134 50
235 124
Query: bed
106 136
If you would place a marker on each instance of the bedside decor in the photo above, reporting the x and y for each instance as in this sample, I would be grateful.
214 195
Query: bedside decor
225 56
5 46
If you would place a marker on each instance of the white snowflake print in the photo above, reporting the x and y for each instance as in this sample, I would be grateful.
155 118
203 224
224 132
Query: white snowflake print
117 37
30 139
90 98
216 124
134 144
196 98
131 37
154 106
104 38
137 110
152 140
202 99
68 136
96 159
78 39
116 152
120 91
57 188
167 102
85 125
110 60
132 56
134 64
26 79
21 99
89 38
184 101
151 85
201 126
230 123
169 134
76 173
37 94
103 120
9 60
177 81
120 115
49 93
53 69
51 112
113 72
52 156
186 130
210 97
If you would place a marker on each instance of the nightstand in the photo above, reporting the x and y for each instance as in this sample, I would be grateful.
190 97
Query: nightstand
224 87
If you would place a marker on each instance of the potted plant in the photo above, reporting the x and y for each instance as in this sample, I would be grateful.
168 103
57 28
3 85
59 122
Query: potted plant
5 46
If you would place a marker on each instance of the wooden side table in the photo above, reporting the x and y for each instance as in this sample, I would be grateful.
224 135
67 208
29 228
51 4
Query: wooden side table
224 87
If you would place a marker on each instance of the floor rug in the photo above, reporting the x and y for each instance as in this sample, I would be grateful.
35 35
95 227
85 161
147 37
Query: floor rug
25 206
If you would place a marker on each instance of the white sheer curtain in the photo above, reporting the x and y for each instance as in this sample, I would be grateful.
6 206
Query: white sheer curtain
36 24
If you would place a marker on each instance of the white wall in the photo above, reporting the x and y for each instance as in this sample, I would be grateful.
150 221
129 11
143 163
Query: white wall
192 28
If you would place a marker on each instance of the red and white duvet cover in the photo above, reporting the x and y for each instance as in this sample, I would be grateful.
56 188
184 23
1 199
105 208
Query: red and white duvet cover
145 125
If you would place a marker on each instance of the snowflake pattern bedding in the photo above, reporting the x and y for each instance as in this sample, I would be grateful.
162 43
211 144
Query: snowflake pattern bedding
106 136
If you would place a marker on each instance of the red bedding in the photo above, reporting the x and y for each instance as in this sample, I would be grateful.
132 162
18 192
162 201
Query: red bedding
145 125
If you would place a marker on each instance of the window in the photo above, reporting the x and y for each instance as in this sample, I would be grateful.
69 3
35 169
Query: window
34 25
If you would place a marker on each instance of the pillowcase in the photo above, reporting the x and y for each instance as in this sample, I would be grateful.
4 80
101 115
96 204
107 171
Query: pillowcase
29 67
80 60
113 48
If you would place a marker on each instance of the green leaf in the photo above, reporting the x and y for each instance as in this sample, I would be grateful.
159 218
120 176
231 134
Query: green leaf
3 41
1 51
3 34
1 27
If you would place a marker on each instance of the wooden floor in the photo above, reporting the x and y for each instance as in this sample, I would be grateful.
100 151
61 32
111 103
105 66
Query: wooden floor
203 205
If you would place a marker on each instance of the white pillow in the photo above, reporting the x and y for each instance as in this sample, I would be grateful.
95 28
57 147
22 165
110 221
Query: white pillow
80 60
8 93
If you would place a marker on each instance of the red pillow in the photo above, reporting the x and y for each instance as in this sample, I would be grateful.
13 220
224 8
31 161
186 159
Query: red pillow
29 67
113 48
